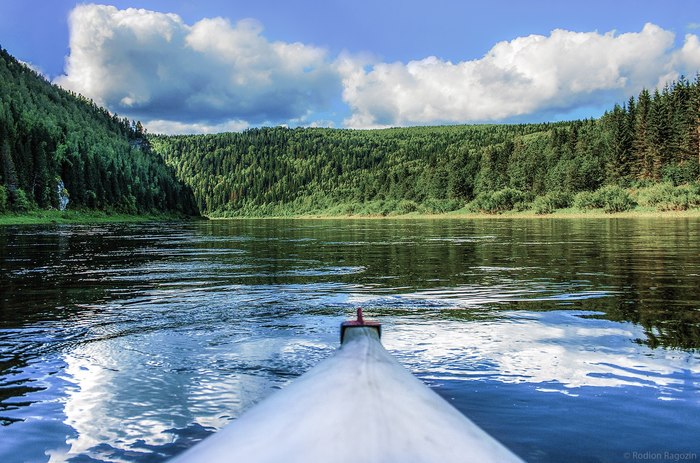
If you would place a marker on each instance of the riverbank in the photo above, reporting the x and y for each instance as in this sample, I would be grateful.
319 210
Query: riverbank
569 213
90 217
39 217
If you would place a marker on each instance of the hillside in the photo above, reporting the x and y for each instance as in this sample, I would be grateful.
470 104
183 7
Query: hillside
650 141
56 145
308 169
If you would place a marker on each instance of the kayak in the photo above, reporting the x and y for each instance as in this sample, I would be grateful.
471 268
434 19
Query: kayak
359 405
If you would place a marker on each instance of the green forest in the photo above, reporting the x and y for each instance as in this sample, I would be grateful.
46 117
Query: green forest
56 146
644 152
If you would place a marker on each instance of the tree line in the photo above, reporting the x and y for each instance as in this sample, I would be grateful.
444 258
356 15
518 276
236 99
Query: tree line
56 144
650 139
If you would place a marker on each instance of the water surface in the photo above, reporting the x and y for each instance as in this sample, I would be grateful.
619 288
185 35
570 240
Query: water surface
568 340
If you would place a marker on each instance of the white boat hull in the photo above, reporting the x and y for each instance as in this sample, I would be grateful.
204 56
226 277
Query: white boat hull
360 405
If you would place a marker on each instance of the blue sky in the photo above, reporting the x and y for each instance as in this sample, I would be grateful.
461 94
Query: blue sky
353 64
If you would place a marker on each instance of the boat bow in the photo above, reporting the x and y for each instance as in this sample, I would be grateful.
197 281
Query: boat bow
360 405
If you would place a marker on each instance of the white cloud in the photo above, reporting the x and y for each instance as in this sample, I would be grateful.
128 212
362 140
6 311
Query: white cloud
185 128
688 57
322 123
34 68
526 76
154 66
217 76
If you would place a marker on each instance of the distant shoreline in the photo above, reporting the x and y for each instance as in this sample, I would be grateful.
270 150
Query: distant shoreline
46 217
462 215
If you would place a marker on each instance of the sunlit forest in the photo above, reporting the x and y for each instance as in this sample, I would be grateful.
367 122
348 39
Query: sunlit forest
644 151
58 147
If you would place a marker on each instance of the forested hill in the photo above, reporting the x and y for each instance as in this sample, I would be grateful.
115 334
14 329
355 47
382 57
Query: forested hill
55 144
279 171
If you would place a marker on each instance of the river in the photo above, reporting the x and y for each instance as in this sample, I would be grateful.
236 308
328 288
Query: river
567 340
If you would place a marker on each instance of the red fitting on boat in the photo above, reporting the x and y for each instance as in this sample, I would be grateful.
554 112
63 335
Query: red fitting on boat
360 322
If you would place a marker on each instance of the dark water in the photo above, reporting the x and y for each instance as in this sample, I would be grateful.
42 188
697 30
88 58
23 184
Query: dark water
569 341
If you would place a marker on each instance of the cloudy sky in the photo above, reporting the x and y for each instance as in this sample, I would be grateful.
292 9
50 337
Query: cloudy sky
208 66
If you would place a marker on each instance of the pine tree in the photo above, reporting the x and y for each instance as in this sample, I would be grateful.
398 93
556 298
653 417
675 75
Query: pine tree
642 164
659 130
9 172
620 145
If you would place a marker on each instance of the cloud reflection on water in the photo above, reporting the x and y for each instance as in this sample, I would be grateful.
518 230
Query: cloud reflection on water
567 348
135 390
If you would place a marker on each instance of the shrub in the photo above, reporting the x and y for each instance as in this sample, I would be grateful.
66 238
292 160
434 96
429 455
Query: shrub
348 208
377 207
127 204
542 206
439 206
615 199
588 200
666 197
386 207
3 199
406 206
19 201
370 207
551 202
694 194
479 203
657 195
499 201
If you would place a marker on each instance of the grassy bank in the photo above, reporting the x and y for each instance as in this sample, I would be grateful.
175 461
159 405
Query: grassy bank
653 200
82 217
568 213
92 217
